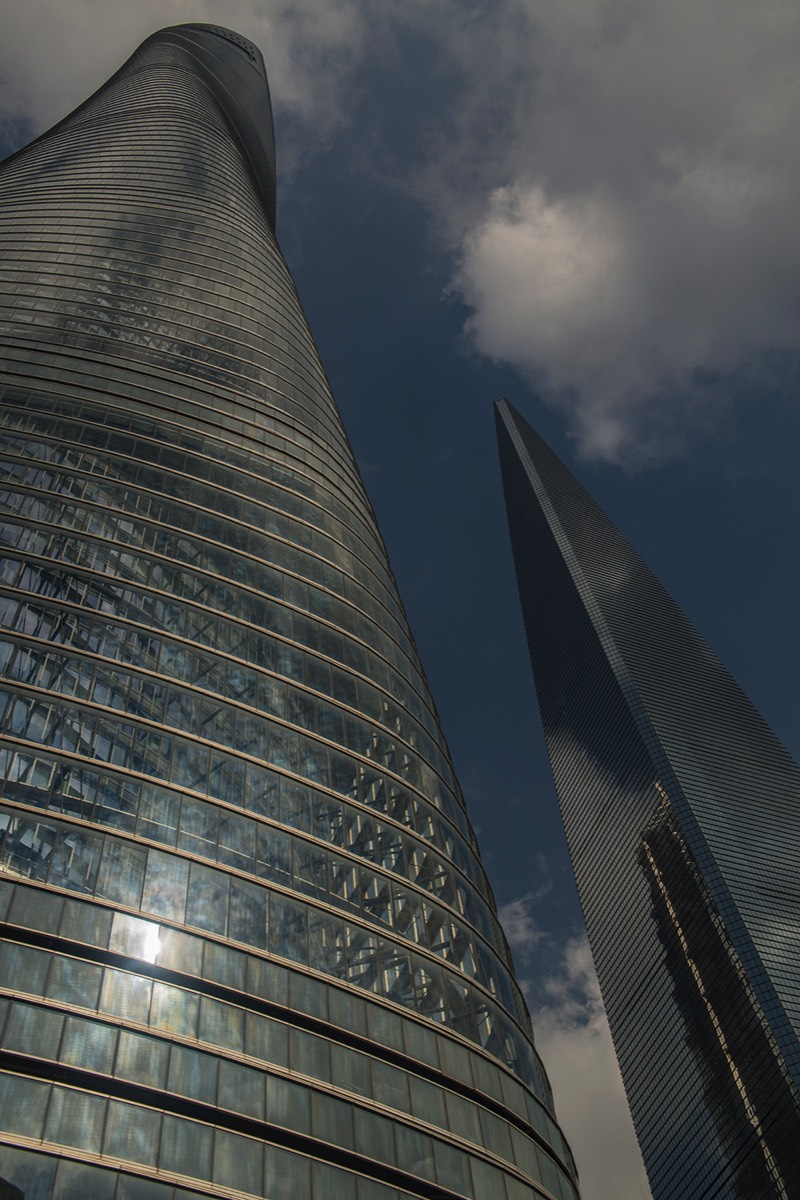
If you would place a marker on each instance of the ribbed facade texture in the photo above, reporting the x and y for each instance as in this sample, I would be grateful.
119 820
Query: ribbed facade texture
248 946
682 814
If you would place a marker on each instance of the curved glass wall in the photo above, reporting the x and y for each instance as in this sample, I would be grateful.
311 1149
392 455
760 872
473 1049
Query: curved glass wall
247 940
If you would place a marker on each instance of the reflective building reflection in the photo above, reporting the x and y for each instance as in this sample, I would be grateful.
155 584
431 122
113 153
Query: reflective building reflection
248 945
745 1082
682 814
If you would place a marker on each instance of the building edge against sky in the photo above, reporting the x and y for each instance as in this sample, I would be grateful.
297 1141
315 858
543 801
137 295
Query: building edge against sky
682 815
247 940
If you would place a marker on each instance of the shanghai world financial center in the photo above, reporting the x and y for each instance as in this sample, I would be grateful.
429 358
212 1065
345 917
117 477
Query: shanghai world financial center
682 813
248 947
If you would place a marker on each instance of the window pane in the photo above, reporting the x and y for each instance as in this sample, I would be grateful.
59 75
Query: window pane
131 1187
267 1039
180 951
186 1148
525 1154
28 846
238 1162
132 1132
326 944
486 1180
75 860
224 965
134 937
165 885
308 995
427 1102
332 1120
248 914
375 1138
126 995
142 1059
351 1070
74 982
77 1181
28 967
415 1151
331 1181
90 1045
23 1103
288 1104
31 1173
33 909
287 1176
75 1119
549 1174
32 1030
268 980
496 1134
237 841
221 1024
420 1043
121 873
274 855
193 1074
158 814
390 1086
452 1168
207 906
288 929
197 831
463 1119
241 1089
310 1055
174 1010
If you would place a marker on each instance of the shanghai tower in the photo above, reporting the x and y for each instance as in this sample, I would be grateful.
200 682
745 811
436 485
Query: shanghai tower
247 946
682 815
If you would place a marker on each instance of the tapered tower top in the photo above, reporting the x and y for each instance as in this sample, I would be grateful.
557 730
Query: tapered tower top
233 68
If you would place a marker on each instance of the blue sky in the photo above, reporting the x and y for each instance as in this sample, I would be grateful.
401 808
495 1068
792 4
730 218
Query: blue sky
592 209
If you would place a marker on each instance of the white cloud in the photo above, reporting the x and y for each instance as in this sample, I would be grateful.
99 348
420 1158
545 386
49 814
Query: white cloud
637 237
519 926
554 292
574 1040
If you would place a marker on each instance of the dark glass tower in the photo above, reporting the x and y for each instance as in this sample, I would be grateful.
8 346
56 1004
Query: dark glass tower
682 813
248 947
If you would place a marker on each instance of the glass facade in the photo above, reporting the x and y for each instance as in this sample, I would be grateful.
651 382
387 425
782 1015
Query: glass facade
682 814
248 946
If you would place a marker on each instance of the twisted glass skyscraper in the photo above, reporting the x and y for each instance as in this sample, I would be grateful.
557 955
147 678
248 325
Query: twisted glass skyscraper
682 813
248 947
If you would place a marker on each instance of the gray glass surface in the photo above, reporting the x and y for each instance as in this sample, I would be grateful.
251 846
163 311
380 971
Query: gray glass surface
682 812
226 801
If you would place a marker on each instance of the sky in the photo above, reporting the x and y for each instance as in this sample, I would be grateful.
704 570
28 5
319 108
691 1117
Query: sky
589 206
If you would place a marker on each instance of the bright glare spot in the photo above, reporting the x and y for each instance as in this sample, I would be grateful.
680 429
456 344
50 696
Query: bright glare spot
152 944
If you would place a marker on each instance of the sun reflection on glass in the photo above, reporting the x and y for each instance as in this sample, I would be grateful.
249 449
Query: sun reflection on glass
152 944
